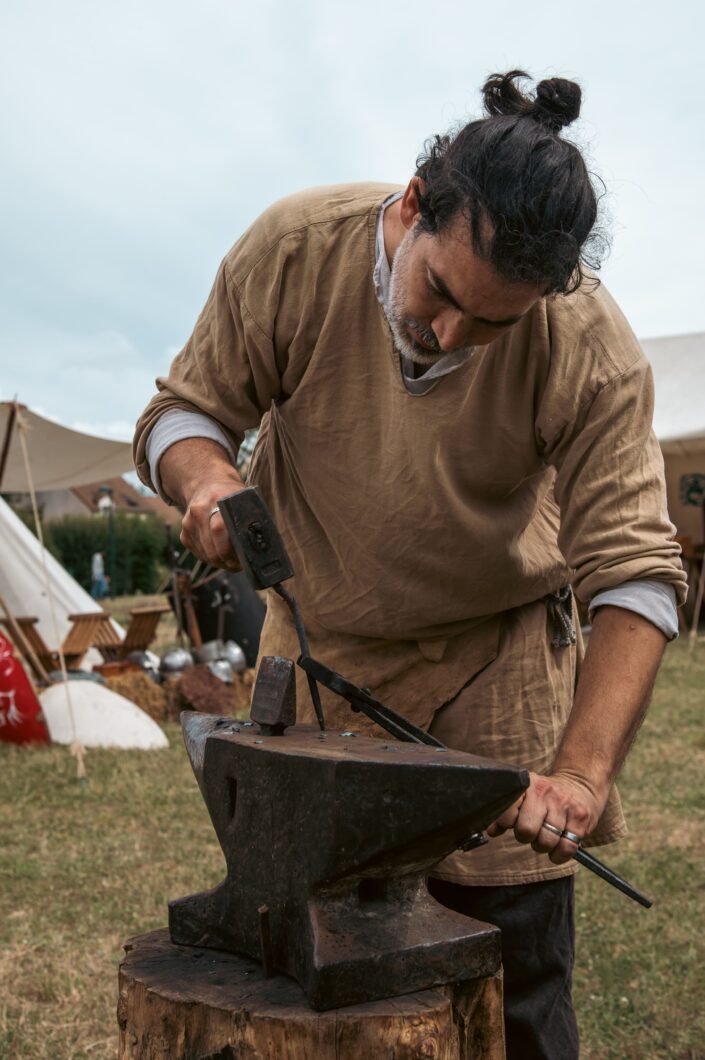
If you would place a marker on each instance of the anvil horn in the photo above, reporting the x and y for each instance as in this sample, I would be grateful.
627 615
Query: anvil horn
196 729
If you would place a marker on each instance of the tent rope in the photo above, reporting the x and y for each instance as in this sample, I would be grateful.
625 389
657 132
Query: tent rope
77 749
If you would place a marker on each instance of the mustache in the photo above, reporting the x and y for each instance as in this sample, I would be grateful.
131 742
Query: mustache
426 334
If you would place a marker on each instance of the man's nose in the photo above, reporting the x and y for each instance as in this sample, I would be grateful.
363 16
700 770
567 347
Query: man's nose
450 330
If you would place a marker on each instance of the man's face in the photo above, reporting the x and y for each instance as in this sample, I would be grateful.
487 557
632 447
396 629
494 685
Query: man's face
444 297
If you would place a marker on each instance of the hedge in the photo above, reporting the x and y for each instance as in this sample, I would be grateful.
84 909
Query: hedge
134 546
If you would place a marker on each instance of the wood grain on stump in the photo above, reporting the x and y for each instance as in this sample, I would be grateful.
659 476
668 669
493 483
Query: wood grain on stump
184 1003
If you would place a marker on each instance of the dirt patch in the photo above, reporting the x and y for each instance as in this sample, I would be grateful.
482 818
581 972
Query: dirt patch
198 689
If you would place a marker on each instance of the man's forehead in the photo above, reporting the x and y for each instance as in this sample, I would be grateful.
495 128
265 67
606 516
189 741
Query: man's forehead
469 280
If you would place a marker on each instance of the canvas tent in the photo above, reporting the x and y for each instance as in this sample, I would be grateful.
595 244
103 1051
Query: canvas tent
59 457
678 362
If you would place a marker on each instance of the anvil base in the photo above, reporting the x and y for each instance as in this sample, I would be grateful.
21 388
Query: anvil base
367 944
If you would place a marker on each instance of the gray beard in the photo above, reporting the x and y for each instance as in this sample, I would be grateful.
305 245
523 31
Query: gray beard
412 351
400 321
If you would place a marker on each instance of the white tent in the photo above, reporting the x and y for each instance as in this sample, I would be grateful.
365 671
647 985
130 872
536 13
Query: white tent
678 362
22 582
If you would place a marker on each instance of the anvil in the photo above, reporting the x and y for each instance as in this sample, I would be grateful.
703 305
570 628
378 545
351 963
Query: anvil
328 839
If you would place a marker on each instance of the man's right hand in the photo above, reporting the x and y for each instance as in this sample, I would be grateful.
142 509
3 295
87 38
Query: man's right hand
197 473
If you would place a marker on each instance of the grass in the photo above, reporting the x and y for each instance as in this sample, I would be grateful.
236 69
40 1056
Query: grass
83 867
640 983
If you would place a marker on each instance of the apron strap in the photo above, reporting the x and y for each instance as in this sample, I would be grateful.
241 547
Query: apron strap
560 612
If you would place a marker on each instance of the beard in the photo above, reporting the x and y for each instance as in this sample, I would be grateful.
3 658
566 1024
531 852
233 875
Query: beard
400 322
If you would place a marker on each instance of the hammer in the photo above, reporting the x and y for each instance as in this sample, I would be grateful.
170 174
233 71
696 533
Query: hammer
264 559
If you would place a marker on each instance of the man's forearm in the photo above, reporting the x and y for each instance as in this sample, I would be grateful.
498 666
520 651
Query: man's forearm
196 473
189 464
613 693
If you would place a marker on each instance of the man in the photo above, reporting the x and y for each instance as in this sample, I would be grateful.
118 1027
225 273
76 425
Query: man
99 587
455 426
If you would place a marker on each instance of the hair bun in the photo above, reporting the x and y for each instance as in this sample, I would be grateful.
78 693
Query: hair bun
557 102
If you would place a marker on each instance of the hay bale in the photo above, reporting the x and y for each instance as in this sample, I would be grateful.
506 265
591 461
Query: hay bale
142 690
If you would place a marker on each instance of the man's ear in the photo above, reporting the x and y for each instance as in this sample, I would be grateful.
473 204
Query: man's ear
410 212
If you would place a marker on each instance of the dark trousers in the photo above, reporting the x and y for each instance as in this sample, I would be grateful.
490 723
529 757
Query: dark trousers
538 948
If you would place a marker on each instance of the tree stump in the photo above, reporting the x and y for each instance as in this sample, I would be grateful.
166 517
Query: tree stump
185 1003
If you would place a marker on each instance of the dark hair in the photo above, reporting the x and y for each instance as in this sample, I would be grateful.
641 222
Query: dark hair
525 191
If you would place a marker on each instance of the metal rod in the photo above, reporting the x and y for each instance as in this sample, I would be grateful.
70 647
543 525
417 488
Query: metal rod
361 700
303 643
589 861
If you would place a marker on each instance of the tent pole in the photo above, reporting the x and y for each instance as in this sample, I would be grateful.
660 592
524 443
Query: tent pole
8 438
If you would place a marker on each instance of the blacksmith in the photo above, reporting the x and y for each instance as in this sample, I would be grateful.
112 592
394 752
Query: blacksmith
455 427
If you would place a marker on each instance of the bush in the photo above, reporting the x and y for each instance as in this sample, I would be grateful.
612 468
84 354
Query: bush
135 547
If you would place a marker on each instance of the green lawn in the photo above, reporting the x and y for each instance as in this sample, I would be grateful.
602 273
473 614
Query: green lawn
83 867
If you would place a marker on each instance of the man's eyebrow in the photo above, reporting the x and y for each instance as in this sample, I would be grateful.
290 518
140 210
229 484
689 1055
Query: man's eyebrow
448 294
506 323
445 290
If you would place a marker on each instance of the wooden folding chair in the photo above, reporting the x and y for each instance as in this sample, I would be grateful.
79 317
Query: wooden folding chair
80 637
108 642
143 627
139 635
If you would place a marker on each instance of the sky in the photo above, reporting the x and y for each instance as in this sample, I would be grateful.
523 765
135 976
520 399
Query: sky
139 139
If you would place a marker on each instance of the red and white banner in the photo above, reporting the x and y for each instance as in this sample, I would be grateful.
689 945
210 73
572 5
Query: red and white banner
20 713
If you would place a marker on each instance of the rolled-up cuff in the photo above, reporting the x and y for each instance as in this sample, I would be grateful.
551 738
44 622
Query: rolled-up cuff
653 600
173 427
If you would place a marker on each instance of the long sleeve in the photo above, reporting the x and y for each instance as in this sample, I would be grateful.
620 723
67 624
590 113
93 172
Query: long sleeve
611 492
226 371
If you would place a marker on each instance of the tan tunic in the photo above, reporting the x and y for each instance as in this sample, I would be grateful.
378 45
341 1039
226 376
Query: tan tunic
414 523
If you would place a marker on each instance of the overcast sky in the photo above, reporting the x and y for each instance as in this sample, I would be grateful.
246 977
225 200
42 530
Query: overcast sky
138 139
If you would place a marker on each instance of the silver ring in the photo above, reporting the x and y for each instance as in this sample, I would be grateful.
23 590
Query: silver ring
552 828
212 512
573 837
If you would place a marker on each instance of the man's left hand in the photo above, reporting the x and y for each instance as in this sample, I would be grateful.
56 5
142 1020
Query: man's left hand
615 684
563 802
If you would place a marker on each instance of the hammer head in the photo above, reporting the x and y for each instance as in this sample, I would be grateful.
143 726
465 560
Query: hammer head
255 538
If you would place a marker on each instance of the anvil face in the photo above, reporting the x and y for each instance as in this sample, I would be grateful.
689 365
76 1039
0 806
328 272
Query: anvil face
327 840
